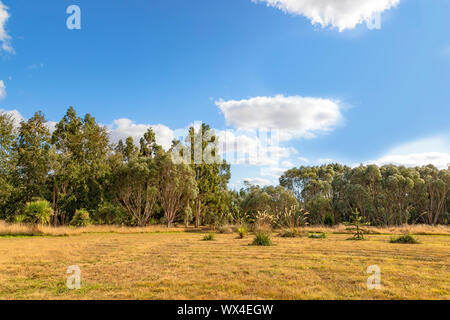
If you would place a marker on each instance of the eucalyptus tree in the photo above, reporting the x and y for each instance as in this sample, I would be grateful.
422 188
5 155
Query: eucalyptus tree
177 187
135 182
7 138
33 161
80 167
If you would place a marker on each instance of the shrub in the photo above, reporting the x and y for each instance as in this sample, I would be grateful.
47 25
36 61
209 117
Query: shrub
407 238
242 231
81 219
262 239
110 213
317 236
291 233
209 237
225 229
329 220
38 212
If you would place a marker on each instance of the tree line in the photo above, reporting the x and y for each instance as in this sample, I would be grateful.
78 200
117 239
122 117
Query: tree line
386 195
76 167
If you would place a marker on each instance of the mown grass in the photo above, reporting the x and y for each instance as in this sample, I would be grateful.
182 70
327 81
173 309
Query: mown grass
179 266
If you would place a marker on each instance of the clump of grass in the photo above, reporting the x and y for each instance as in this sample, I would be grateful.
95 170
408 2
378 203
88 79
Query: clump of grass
242 232
225 229
262 239
209 237
291 233
317 236
407 238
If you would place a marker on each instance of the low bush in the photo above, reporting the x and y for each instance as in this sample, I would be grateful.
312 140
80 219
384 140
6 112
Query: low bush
407 238
209 237
328 220
81 219
37 212
242 232
317 236
262 239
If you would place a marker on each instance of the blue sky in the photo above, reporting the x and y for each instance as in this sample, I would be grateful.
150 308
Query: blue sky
375 95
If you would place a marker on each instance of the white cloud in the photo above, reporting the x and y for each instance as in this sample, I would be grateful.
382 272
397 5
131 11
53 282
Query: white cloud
2 90
325 161
51 126
431 150
293 116
16 116
124 128
440 160
341 14
5 39
273 172
258 181
303 159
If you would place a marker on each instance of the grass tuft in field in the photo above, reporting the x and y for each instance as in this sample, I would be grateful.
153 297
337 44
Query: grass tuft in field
407 238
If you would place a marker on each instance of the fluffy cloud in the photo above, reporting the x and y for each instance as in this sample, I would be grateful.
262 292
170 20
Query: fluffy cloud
440 160
293 116
2 89
124 128
341 14
433 150
5 39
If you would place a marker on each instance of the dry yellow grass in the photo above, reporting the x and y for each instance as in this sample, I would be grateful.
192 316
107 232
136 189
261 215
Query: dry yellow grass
180 266
24 229
19 229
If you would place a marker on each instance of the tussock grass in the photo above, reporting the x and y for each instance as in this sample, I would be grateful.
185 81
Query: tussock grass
209 237
407 238
262 239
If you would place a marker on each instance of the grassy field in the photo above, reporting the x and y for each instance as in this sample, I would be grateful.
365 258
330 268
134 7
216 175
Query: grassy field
179 265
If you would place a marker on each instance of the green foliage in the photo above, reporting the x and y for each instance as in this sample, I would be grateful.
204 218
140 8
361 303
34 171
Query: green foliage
317 236
274 200
81 218
242 232
38 212
209 237
387 195
77 167
329 220
407 238
262 238
110 213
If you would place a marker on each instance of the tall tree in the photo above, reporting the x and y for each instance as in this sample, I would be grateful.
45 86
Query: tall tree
177 187
33 149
